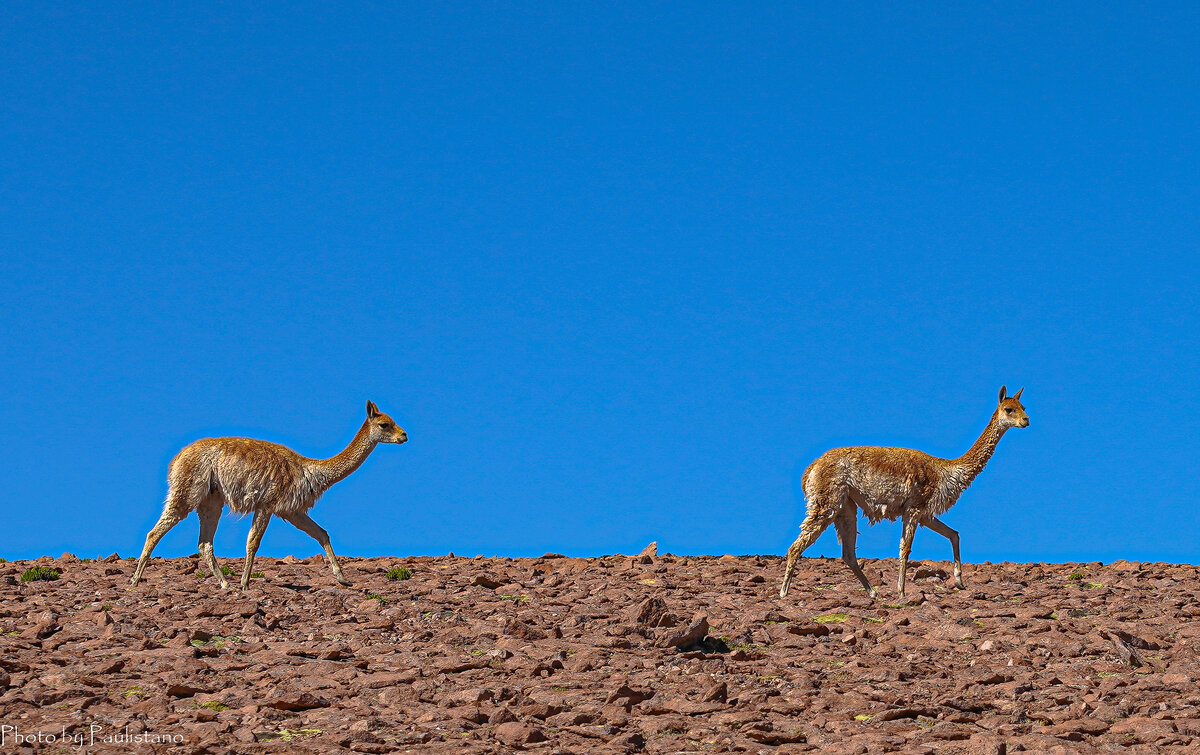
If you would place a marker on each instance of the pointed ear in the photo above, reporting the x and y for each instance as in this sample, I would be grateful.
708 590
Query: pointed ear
1003 392
372 410
1017 395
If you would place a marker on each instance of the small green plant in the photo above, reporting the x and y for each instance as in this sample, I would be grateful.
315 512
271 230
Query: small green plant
215 641
106 607
831 618
285 735
1093 585
516 598
257 575
132 692
214 705
35 573
734 645
863 717
1076 576
227 571
398 573
5 560
382 600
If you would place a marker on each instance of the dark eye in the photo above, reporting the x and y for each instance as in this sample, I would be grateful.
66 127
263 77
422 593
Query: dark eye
1008 409
388 425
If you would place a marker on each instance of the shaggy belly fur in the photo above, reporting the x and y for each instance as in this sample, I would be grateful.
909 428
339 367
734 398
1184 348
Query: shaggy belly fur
249 475
883 482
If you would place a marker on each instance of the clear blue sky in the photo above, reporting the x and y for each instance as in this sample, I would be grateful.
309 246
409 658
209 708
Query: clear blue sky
620 272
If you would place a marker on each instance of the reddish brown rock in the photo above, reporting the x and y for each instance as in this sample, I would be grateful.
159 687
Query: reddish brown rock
302 701
696 631
514 733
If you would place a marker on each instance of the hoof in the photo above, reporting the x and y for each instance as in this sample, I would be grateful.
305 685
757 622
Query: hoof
344 581
958 585
871 594
783 592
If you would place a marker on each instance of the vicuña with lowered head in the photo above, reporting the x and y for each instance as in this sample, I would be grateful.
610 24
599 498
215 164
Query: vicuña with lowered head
891 483
260 478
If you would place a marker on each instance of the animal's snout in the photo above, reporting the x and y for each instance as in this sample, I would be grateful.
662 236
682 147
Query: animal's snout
1025 422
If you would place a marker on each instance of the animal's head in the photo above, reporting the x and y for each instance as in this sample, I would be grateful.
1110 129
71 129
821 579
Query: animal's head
383 428
1011 413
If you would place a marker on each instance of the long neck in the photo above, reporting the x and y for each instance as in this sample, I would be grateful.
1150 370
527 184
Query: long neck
340 467
976 458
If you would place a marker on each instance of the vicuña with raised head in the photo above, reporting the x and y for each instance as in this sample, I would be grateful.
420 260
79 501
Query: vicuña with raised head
891 483
260 478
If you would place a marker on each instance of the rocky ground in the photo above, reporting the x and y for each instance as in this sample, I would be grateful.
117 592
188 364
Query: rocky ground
657 654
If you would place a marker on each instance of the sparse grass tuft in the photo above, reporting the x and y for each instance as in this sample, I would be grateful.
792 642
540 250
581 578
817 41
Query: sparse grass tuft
734 645
35 573
132 692
215 642
106 607
516 598
398 573
286 735
214 705
382 600
831 618
1076 576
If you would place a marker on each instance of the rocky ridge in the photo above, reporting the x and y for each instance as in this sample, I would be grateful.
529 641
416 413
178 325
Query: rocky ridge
649 653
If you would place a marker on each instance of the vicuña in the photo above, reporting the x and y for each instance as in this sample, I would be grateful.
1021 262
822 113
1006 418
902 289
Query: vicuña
891 483
260 478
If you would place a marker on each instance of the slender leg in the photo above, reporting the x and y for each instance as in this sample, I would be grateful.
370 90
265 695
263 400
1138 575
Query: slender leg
906 538
257 528
952 535
810 529
847 529
303 521
210 513
173 513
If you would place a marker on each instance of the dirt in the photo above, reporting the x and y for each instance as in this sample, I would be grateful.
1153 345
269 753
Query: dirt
655 654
